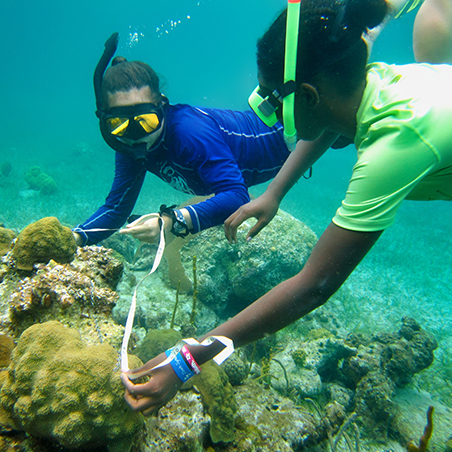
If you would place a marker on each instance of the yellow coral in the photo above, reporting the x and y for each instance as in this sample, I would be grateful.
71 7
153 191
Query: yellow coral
58 388
44 240
218 398
6 239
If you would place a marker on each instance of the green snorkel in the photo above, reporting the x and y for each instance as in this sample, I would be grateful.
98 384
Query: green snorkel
265 105
290 67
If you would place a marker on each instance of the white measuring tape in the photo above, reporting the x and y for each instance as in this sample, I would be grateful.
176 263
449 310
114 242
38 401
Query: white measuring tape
219 358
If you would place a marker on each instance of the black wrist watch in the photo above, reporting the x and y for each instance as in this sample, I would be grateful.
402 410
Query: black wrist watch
179 228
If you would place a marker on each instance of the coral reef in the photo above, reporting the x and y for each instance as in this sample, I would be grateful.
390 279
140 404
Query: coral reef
156 342
264 422
6 347
6 239
100 265
308 363
60 389
40 181
232 277
307 385
77 294
425 438
235 369
41 241
218 400
382 363
123 244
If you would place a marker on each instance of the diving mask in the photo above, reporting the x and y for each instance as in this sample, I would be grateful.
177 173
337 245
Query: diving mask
133 121
266 106
265 103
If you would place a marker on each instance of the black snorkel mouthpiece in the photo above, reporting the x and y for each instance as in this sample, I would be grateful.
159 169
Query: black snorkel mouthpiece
138 151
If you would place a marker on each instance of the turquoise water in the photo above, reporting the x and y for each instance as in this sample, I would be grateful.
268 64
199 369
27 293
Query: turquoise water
205 53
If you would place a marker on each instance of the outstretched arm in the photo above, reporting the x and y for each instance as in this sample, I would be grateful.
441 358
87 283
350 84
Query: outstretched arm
333 258
265 207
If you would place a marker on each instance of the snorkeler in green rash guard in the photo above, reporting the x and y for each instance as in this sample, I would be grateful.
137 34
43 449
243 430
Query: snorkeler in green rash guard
336 93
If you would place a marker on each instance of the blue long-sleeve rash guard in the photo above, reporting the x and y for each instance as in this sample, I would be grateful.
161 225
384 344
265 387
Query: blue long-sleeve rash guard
204 151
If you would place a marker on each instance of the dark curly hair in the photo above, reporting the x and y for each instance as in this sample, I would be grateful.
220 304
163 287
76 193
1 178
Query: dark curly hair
329 41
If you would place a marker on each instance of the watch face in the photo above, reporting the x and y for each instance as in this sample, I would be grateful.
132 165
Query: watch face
179 227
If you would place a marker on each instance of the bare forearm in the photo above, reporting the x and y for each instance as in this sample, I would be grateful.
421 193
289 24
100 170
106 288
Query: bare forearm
334 257
278 308
298 162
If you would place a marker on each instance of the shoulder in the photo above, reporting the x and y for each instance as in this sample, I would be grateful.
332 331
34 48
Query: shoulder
188 124
183 115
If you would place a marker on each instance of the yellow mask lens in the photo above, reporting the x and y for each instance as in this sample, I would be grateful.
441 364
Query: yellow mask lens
117 126
149 122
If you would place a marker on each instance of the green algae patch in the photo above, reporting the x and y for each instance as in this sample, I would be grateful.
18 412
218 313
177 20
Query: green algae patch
218 398
156 342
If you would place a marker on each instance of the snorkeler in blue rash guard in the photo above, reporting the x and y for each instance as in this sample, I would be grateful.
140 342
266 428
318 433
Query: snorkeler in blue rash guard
199 151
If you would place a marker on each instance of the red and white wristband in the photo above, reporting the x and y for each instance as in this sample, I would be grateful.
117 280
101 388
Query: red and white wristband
190 360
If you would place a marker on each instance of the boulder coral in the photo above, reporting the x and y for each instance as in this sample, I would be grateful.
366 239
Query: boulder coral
156 342
42 241
6 347
232 277
6 239
58 389
40 181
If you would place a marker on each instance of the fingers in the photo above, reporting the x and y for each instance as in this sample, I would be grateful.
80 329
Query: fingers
145 232
150 396
256 229
128 384
143 404
233 222
229 230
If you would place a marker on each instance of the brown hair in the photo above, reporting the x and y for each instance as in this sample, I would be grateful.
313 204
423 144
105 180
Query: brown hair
125 75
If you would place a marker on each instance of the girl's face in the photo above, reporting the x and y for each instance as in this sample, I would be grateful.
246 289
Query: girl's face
136 97
306 111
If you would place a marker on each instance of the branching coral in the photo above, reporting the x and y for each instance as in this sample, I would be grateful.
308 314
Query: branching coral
423 442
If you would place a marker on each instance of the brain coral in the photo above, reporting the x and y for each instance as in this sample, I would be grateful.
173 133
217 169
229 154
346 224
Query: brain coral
59 389
44 240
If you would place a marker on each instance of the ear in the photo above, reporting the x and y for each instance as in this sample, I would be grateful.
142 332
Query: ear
309 93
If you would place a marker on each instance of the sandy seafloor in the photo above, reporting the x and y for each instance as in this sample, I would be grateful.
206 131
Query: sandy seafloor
205 53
